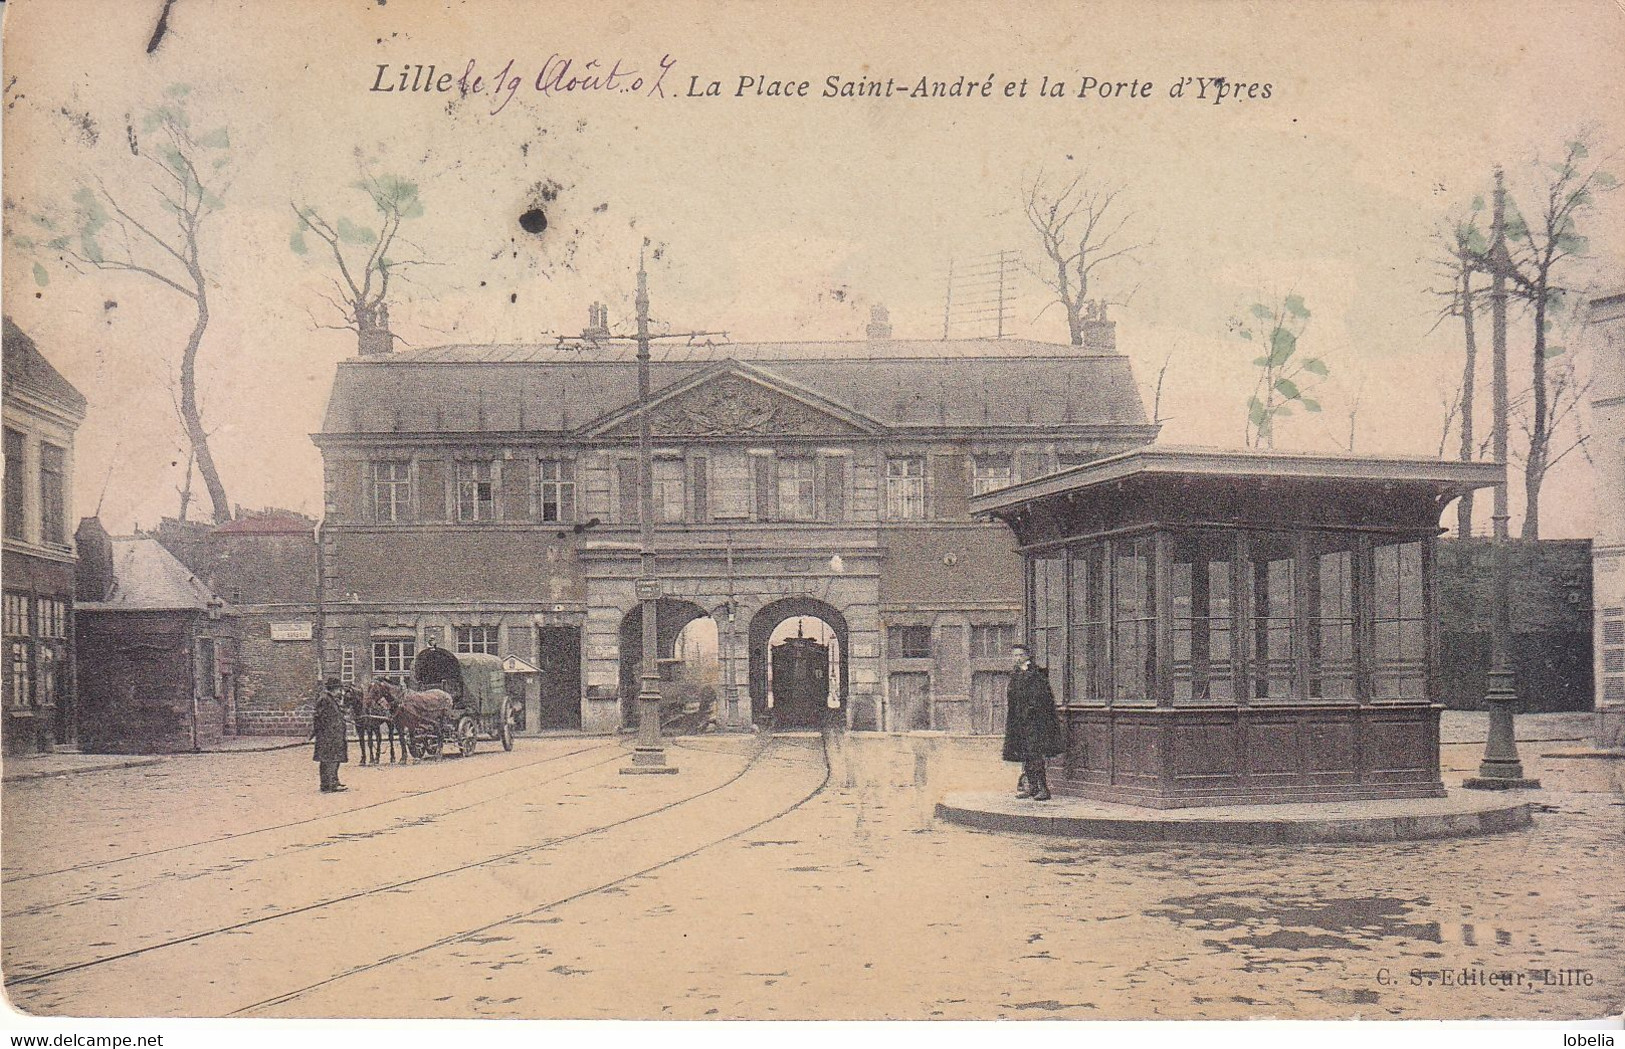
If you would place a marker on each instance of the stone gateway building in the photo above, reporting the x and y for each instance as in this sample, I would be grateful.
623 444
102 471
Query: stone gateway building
485 499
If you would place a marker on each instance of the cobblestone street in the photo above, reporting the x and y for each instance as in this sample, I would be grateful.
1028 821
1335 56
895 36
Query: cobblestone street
762 883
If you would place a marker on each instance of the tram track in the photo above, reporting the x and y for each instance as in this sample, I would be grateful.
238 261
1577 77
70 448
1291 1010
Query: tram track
467 934
399 885
411 795
44 907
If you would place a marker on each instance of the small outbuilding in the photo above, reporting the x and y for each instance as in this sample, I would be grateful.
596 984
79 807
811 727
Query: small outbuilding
1226 628
152 648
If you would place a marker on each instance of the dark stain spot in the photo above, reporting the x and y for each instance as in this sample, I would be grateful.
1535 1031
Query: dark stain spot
110 305
482 284
534 220
161 28
83 125
600 209
513 298
129 133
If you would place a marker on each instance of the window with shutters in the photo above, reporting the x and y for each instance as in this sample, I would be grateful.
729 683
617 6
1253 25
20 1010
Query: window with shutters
796 489
1613 655
991 472
558 490
391 491
905 488
476 492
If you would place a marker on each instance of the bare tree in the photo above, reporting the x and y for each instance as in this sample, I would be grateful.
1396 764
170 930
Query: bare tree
152 228
1464 245
1535 271
1081 229
363 280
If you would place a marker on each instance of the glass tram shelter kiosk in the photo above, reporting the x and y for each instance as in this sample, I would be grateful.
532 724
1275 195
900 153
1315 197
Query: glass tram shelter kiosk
1225 628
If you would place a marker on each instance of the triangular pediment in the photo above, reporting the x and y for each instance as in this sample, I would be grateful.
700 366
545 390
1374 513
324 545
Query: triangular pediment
733 399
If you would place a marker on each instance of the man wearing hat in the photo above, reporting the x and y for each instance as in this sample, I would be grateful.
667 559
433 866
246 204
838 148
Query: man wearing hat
332 742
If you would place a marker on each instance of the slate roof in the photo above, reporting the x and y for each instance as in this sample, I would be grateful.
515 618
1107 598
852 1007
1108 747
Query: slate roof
25 366
272 522
148 578
912 385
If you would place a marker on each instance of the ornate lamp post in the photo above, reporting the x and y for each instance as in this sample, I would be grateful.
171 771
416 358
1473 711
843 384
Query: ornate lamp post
648 754
1500 769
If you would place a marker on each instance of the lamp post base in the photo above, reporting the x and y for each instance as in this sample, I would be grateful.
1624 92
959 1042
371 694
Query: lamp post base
1498 782
648 761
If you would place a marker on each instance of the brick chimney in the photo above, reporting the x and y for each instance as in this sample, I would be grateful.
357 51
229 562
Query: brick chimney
374 337
879 323
1099 334
597 322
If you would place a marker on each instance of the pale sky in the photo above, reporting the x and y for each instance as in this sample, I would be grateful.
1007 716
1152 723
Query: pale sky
785 218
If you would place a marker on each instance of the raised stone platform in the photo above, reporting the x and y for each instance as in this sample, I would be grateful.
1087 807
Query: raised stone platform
1460 814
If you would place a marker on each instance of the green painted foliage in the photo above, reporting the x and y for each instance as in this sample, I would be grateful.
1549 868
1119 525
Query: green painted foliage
41 277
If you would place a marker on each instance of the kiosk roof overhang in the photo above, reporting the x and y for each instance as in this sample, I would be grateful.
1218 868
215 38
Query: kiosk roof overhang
1142 484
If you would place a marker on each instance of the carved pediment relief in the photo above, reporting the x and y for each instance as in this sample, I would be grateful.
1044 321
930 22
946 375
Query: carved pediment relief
734 406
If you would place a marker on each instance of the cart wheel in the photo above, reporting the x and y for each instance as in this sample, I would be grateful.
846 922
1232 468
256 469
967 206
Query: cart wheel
430 742
507 733
467 738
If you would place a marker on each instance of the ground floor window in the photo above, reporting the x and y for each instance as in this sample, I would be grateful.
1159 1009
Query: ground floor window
392 658
477 640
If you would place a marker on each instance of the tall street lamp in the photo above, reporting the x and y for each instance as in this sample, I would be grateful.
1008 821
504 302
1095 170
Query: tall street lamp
1500 769
648 754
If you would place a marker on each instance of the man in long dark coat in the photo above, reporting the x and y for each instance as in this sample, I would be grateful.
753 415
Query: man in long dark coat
1031 730
332 741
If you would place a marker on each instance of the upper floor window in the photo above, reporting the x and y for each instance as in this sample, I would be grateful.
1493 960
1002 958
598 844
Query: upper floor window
476 492
477 640
905 488
992 642
991 472
15 498
392 490
908 642
797 480
558 490
668 490
52 520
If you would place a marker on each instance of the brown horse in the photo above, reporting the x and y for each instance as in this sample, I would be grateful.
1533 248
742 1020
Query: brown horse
419 718
374 713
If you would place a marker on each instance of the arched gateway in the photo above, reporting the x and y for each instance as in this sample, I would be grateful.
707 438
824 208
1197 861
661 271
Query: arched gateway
671 616
796 671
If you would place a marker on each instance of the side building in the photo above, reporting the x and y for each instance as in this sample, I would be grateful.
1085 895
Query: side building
1606 331
485 499
42 412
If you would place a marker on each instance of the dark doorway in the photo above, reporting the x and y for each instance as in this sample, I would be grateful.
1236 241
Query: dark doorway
800 683
558 658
